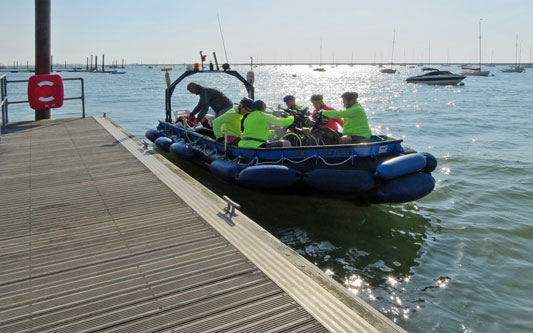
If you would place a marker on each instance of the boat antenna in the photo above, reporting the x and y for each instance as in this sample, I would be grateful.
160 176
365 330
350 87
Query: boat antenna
221 35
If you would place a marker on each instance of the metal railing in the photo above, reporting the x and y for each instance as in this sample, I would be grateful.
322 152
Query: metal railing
4 100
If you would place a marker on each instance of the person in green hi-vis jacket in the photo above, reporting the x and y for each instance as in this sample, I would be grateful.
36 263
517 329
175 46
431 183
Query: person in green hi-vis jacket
356 128
228 126
256 128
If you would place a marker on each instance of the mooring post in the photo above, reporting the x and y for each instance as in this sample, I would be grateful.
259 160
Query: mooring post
102 63
42 46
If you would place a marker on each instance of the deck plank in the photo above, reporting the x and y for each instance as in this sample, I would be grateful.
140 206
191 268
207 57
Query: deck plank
92 240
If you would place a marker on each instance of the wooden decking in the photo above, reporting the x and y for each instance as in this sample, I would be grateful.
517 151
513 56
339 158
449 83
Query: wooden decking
95 236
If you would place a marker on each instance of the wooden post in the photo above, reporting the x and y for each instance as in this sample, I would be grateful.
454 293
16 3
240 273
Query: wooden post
87 64
102 63
42 46
91 62
96 63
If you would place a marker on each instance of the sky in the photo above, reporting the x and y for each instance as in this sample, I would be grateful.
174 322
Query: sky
274 31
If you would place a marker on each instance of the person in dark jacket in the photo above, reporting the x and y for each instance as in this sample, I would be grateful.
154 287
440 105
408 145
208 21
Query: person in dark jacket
209 97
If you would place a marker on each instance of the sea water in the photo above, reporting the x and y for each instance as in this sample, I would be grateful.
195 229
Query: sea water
458 260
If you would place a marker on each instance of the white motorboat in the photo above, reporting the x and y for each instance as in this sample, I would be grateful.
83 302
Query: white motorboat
436 77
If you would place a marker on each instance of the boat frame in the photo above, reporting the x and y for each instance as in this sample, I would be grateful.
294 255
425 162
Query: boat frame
170 89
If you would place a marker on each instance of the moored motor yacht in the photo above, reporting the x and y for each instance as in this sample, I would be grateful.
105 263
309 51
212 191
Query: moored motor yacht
435 76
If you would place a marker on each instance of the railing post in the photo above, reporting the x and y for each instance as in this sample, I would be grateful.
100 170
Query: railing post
2 101
82 99
3 95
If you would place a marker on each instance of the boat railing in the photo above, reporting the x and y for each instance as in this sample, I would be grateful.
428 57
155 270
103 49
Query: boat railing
5 102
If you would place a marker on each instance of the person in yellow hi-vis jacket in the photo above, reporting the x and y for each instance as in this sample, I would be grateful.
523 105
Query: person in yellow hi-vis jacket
229 124
356 128
256 128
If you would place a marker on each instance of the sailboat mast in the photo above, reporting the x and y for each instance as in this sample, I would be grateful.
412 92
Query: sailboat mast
429 54
516 52
392 55
320 51
480 43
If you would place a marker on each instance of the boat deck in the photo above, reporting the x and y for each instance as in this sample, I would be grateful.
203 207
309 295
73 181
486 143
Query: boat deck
98 233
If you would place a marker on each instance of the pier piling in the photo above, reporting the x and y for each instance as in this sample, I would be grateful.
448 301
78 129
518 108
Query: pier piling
42 46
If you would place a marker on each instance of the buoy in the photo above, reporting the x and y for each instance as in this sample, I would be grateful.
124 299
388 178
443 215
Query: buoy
406 188
431 162
400 166
152 134
163 143
268 177
225 170
358 181
182 150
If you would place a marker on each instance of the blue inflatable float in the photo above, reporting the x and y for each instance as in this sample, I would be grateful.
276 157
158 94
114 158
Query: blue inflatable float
268 177
225 170
182 150
163 143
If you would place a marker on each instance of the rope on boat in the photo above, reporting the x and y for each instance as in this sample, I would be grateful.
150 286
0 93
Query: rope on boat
301 161
352 156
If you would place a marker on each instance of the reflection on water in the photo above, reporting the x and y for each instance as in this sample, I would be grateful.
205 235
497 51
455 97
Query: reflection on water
369 249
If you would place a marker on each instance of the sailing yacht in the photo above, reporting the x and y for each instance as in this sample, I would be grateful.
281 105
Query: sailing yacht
530 65
390 70
516 68
320 69
476 71
491 55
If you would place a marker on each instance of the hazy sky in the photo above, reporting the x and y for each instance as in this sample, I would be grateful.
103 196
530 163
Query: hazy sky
174 31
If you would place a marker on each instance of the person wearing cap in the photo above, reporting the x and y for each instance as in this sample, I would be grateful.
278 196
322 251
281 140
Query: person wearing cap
318 102
256 127
229 124
209 97
356 128
290 101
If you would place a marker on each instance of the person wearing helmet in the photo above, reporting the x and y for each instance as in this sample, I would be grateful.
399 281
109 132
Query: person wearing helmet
209 97
256 127
356 128
318 102
229 124
290 101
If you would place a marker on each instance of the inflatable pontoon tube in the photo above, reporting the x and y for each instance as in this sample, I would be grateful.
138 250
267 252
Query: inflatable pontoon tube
268 177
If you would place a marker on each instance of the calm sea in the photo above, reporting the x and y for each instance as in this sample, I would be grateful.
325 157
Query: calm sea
458 260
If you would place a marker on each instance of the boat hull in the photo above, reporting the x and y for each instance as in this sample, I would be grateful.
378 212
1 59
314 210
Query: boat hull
376 172
436 81
476 73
